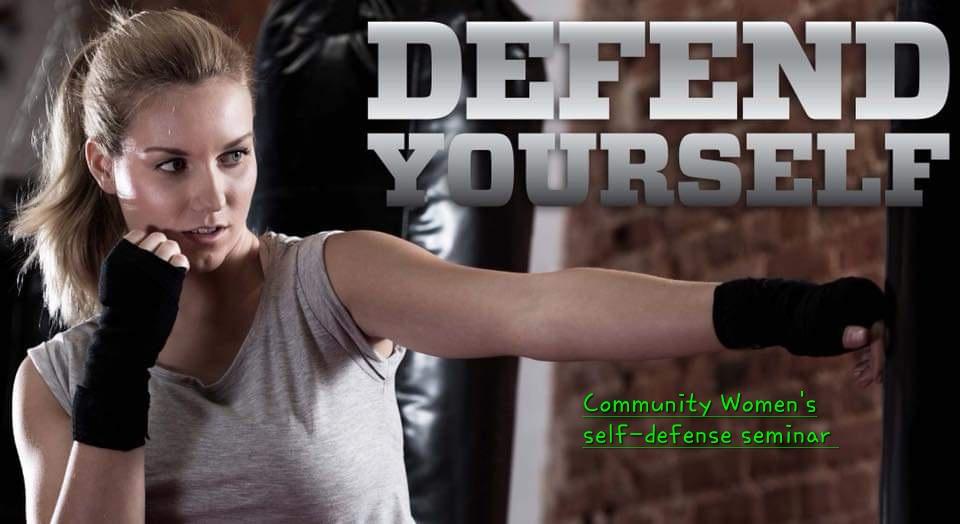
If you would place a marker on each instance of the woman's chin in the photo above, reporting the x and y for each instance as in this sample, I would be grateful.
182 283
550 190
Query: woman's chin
204 263
207 259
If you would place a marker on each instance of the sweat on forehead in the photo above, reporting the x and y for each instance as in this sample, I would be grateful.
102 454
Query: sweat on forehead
205 115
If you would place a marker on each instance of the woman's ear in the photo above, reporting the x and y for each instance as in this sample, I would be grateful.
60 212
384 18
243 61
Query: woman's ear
100 165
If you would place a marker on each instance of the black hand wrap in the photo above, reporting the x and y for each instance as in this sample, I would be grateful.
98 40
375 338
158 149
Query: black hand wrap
140 294
803 317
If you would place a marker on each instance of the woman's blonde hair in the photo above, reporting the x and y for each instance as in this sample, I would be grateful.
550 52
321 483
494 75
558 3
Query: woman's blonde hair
67 221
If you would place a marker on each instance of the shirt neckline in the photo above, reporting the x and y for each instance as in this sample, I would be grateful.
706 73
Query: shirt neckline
228 376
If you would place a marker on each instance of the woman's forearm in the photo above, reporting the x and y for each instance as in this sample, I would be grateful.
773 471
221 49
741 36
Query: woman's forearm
102 485
605 314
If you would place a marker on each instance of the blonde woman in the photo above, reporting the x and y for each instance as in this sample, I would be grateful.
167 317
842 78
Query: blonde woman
208 373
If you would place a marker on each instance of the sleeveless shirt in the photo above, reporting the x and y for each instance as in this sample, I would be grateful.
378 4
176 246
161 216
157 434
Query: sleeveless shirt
303 426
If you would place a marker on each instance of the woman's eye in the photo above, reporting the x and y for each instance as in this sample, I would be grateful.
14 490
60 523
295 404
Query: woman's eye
178 165
234 157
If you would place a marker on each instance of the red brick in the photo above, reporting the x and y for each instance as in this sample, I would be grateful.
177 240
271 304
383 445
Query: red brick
766 464
819 498
606 10
876 271
639 233
678 220
802 261
844 10
728 69
737 507
862 244
781 503
679 511
587 462
608 489
716 470
591 248
827 519
795 224
858 490
768 9
640 514
870 147
833 221
761 230
662 10
723 245
856 401
578 496
766 366
859 440
751 266
865 517
579 377
699 372
654 262
807 368
690 257
828 394
652 484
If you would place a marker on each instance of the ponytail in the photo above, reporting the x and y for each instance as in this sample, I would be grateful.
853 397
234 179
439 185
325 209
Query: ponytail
68 222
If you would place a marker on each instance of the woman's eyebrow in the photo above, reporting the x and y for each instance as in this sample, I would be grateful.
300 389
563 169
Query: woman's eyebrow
237 141
175 151
171 150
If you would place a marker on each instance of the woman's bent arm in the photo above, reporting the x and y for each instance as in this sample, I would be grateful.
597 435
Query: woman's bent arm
67 481
102 485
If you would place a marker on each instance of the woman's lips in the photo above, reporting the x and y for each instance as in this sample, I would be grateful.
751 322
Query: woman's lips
206 238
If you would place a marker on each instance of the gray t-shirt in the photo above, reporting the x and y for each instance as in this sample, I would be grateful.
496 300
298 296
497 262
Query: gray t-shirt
303 427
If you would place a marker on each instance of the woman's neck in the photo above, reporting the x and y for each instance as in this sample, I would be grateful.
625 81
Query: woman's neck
213 294
217 309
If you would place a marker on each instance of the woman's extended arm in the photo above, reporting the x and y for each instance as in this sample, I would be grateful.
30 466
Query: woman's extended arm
604 314
397 290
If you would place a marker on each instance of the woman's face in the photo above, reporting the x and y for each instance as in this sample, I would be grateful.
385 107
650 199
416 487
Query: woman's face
187 162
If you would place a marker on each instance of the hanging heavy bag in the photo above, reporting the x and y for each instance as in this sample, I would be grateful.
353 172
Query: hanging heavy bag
315 73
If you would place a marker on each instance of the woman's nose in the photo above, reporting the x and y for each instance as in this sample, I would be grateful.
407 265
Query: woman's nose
209 191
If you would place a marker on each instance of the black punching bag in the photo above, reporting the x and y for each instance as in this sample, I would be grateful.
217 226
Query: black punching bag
922 351
316 72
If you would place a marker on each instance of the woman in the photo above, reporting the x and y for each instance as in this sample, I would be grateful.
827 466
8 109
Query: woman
211 373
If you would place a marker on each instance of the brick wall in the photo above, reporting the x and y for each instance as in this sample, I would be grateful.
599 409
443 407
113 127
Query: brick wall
730 485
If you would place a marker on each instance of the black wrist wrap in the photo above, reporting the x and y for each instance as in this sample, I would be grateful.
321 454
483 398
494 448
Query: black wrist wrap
140 295
803 317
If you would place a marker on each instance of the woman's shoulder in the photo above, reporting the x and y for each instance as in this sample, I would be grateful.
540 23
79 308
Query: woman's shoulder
276 246
274 243
276 239
73 339
60 359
